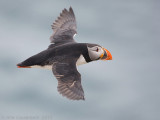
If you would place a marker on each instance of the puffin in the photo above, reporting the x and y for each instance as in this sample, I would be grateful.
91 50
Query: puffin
64 54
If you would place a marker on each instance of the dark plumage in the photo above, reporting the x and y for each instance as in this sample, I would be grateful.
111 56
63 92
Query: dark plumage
64 54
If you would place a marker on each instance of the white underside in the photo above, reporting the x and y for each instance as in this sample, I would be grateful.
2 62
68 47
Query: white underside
80 61
49 67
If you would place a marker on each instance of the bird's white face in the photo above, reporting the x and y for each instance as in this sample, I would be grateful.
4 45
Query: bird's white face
95 52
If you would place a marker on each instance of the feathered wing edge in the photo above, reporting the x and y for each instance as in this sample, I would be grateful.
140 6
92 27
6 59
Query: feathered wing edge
64 27
64 17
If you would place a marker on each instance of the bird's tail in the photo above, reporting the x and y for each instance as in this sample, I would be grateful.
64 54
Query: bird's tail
21 65
37 59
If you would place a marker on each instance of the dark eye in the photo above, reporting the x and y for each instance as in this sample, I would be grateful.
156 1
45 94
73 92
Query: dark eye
97 50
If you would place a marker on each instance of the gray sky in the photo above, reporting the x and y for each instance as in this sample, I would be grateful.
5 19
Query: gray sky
126 88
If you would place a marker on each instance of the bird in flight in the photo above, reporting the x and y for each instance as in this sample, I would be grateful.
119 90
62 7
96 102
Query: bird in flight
64 54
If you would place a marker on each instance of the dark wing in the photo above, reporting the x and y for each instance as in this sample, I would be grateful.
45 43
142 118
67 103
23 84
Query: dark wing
64 27
69 80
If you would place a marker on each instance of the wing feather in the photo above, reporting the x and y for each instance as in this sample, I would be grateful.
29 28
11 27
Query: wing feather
64 27
69 80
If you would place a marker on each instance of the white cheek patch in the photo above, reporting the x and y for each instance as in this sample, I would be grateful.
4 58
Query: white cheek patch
95 52
81 60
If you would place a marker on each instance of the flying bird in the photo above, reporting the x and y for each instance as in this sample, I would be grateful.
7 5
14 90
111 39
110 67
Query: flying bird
64 54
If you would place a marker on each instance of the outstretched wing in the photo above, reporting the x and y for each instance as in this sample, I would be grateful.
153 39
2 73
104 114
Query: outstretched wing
64 27
69 80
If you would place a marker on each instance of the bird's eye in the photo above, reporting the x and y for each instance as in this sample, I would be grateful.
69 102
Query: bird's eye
97 50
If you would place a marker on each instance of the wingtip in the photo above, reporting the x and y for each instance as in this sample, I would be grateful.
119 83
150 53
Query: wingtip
64 10
70 8
83 99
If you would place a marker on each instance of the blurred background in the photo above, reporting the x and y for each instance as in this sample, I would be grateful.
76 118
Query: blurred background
126 88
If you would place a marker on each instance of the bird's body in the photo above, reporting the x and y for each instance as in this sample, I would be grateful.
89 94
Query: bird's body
64 54
46 58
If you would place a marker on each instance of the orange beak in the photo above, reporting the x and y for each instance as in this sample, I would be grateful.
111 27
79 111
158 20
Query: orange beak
107 55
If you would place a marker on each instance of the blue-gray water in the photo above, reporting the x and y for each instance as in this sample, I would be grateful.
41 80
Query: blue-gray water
126 88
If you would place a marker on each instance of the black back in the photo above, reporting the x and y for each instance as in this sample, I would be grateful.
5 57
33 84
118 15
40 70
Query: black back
47 57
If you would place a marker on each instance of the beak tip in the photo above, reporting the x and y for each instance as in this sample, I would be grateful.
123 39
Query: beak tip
109 56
